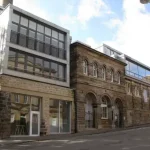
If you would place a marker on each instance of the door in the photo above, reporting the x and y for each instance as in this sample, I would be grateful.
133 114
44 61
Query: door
35 123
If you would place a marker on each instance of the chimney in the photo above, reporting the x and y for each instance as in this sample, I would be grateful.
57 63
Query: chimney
4 3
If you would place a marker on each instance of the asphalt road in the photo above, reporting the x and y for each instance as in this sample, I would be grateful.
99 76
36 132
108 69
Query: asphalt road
135 139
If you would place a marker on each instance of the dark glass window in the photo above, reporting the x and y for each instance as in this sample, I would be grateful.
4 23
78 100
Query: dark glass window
39 66
21 62
22 37
32 25
61 72
54 42
14 27
61 37
40 36
46 68
11 59
48 31
55 34
142 71
15 18
30 64
54 70
61 45
47 45
40 28
39 45
24 21
31 40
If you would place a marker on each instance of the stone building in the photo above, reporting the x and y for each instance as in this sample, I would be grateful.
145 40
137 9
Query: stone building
99 86
137 85
35 97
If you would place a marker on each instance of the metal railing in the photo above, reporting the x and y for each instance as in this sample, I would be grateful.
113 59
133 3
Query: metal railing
34 44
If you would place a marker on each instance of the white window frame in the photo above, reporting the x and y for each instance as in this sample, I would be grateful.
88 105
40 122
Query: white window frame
94 70
104 73
104 105
85 67
112 75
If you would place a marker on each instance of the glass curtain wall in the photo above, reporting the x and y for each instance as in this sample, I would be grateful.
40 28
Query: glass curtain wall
137 71
59 116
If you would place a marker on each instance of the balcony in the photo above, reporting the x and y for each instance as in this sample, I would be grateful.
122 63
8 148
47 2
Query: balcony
37 45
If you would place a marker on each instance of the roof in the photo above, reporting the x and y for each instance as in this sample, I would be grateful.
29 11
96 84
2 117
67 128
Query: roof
96 51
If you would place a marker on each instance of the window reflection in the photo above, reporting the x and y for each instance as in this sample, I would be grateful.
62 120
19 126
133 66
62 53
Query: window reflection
54 68
12 59
21 62
24 21
30 64
38 66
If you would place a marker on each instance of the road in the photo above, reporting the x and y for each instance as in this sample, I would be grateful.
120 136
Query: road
135 139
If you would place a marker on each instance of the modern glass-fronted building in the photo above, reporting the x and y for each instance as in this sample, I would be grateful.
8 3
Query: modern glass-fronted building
34 70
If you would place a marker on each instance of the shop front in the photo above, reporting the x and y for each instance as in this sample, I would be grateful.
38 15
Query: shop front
25 115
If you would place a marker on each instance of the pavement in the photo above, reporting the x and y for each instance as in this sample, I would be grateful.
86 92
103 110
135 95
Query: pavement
131 139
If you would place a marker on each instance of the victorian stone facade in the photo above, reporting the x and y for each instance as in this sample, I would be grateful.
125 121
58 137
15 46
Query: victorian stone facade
99 85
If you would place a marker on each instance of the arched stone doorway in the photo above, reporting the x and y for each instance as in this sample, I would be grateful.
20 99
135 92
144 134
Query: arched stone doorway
118 113
90 110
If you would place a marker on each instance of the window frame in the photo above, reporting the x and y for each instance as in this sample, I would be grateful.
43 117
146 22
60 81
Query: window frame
85 67
104 73
95 70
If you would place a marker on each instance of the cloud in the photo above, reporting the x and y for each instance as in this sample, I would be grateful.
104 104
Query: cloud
90 41
132 35
84 12
32 6
113 23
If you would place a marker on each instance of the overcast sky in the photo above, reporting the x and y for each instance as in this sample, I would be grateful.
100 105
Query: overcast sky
122 24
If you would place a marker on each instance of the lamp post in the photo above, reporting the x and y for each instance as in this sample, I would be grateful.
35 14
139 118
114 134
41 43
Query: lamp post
144 1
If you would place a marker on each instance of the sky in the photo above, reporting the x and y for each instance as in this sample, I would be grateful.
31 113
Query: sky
121 24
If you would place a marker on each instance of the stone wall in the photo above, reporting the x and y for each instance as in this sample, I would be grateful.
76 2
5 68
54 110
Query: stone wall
4 115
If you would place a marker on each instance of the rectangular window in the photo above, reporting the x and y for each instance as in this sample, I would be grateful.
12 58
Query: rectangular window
22 37
137 91
15 18
24 21
12 60
39 66
21 61
14 34
61 37
39 44
104 112
40 28
54 42
145 95
129 88
35 103
55 34
46 69
48 31
31 40
54 70
30 64
61 72
32 25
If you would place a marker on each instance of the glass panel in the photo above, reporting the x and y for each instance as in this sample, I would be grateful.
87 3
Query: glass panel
46 68
14 27
35 103
22 37
15 18
11 59
47 40
40 28
23 31
54 42
30 64
24 21
35 124
55 34
134 68
31 34
147 73
54 116
21 61
48 31
64 116
31 40
142 71
54 51
40 37
32 25
61 45
39 66
54 70
61 72
20 116
61 37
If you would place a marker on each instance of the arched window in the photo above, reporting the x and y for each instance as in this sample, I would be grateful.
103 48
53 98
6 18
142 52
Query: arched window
104 106
112 75
85 67
95 70
118 77
104 72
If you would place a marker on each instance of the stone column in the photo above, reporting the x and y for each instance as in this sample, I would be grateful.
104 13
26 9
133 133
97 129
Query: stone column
113 119
45 124
5 115
99 115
